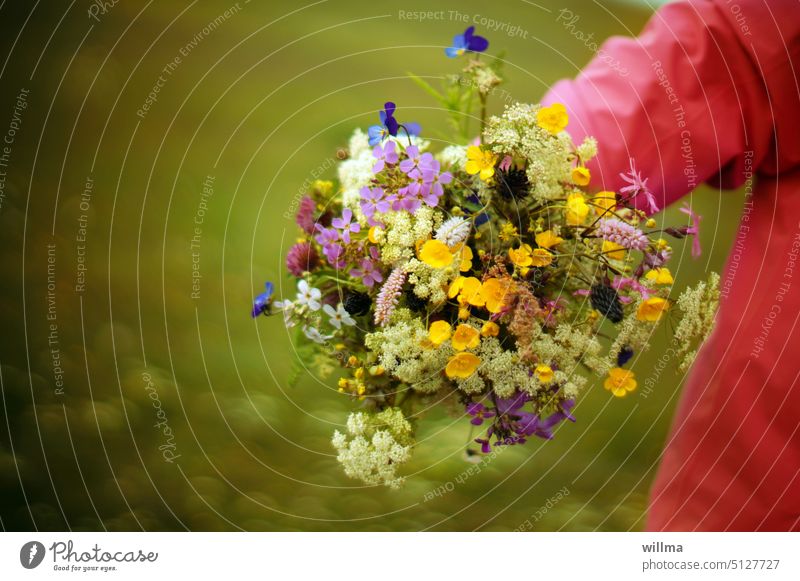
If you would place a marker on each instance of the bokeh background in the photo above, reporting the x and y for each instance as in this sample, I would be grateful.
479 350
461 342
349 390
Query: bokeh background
262 97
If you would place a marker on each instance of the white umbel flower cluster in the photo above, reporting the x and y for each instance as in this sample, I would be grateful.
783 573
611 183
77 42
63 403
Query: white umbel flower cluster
375 446
699 308
356 171
453 231
549 157
453 156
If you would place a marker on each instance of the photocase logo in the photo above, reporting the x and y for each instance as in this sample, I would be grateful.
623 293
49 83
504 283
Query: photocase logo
31 554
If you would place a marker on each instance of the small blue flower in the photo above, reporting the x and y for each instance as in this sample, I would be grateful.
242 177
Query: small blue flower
467 42
389 125
262 302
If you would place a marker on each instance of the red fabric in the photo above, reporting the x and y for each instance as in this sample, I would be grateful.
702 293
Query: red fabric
712 90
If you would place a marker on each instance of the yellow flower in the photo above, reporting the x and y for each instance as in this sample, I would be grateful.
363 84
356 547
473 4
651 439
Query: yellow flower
651 309
613 250
547 239
521 256
651 223
324 187
466 337
620 381
462 365
541 257
604 202
490 329
507 232
439 332
463 313
660 276
577 209
553 118
480 162
496 292
468 291
581 176
373 234
466 259
544 373
435 253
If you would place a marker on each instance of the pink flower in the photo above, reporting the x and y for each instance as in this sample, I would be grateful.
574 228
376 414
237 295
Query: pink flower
638 186
305 215
386 302
621 283
693 229
302 258
623 234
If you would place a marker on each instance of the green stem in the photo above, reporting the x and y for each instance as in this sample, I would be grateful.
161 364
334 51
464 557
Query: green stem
483 115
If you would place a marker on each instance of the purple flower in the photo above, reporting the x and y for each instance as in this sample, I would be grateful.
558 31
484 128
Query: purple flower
335 255
485 446
419 185
305 214
368 270
415 160
328 238
479 412
406 200
693 229
386 154
374 200
326 235
436 181
638 186
263 301
466 42
346 225
514 424
389 125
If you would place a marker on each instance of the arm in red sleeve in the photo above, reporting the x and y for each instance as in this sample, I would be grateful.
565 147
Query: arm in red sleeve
688 98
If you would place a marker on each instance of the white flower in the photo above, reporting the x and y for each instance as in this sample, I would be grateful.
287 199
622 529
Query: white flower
315 335
308 296
339 316
287 307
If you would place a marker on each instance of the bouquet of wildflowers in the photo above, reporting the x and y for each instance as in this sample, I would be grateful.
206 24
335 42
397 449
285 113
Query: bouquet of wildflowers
486 277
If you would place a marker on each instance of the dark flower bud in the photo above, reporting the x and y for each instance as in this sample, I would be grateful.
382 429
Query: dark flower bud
606 300
357 304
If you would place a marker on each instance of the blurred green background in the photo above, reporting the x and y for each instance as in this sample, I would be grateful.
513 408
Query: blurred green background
260 99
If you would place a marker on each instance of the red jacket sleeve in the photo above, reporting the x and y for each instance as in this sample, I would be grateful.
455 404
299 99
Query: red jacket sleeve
702 95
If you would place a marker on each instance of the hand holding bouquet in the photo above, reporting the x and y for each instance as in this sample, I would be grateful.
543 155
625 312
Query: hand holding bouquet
486 278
